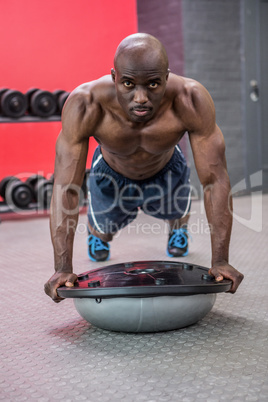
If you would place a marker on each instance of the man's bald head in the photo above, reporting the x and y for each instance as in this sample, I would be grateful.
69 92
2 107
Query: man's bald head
140 45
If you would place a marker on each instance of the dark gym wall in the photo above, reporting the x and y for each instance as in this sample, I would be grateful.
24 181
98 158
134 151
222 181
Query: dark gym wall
52 45
212 55
203 40
163 20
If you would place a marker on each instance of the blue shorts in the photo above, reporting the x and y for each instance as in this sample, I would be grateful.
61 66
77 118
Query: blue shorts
114 200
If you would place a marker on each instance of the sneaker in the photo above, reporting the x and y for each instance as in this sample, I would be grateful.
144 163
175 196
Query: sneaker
178 243
98 250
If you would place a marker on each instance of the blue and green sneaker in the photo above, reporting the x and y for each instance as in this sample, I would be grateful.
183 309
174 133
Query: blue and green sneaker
178 243
98 250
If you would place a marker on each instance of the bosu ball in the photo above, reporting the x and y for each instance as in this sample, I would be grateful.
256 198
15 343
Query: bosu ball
145 296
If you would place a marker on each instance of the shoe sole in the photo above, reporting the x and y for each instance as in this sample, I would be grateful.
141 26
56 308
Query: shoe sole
94 260
182 255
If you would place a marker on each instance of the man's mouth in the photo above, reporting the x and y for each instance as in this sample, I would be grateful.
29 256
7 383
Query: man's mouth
141 111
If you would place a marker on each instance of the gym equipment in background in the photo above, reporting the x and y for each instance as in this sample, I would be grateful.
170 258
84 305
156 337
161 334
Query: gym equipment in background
61 97
34 193
41 103
35 104
145 296
15 192
42 190
12 103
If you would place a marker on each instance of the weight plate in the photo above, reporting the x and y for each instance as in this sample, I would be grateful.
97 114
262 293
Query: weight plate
13 104
2 91
18 194
43 191
43 104
58 92
30 92
32 180
3 184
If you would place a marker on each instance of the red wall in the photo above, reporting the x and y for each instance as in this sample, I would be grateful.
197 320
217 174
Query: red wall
50 45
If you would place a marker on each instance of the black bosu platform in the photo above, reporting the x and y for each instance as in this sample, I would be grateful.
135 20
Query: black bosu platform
145 296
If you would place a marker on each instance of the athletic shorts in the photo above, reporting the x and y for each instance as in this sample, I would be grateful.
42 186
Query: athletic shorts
114 200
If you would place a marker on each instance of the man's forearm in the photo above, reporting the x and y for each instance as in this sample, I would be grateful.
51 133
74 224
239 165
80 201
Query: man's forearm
218 205
63 221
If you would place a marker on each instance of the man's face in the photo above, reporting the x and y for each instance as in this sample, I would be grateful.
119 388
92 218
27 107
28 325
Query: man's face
140 82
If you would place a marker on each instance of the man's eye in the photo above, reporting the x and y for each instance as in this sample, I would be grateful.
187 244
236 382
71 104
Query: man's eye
128 84
153 85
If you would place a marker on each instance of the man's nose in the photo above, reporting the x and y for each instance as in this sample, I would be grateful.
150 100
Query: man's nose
140 96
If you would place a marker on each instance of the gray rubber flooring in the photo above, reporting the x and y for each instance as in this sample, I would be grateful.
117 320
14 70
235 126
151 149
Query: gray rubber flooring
49 353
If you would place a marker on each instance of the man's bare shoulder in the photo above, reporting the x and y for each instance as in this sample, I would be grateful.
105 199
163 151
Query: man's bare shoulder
84 105
192 102
187 89
92 92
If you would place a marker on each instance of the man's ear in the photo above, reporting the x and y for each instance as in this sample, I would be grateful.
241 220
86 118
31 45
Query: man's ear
168 71
113 74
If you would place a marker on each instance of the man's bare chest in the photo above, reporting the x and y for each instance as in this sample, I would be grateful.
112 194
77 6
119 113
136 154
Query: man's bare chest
156 137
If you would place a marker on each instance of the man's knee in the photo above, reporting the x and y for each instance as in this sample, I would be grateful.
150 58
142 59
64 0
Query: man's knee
103 236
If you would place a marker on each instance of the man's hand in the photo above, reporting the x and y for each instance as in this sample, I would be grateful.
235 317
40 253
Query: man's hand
57 280
223 270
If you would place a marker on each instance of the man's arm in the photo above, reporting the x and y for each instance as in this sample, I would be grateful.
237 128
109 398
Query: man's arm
209 155
78 120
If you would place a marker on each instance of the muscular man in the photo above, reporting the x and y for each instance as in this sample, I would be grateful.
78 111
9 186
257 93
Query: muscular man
138 116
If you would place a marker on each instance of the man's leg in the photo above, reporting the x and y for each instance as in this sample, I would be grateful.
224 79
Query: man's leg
98 247
178 223
178 237
103 236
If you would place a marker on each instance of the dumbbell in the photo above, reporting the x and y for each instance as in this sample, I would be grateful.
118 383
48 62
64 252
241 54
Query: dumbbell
12 103
41 103
42 190
61 97
15 192
3 185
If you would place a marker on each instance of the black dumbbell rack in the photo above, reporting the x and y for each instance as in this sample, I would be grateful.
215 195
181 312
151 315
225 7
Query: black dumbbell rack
29 119
35 105
37 209
33 211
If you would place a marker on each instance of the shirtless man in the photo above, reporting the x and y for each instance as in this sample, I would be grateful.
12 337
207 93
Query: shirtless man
138 116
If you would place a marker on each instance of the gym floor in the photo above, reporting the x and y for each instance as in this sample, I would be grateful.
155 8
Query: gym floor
48 352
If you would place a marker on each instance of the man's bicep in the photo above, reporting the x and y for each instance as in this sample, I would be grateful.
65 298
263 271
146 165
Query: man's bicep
209 155
78 120
81 116
70 161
